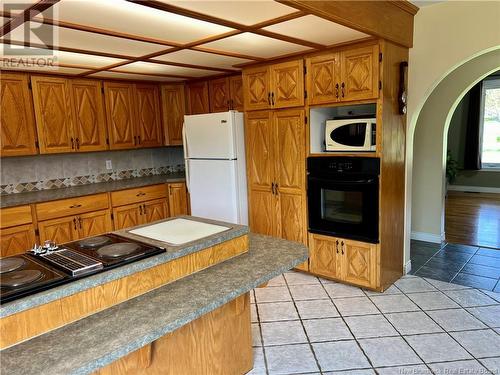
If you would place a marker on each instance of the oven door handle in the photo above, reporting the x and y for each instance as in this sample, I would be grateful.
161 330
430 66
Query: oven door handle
364 181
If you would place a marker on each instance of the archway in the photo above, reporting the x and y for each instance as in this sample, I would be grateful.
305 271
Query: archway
429 151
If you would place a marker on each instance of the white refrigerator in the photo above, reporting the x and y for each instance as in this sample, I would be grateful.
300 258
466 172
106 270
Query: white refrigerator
214 153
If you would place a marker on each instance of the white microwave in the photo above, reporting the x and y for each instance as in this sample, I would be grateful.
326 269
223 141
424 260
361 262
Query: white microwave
353 134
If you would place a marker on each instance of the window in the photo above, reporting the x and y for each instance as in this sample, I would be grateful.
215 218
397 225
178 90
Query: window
490 155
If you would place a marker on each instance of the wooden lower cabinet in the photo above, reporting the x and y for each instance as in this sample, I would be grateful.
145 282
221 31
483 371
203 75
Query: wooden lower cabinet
346 260
95 223
178 199
155 210
140 213
16 240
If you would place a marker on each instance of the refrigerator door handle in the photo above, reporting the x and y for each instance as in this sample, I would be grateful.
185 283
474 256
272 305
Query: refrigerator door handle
186 164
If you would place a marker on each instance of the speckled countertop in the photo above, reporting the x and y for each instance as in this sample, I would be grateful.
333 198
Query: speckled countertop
19 199
172 252
91 343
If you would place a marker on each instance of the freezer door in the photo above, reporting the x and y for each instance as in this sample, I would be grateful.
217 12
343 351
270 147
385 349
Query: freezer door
210 136
213 189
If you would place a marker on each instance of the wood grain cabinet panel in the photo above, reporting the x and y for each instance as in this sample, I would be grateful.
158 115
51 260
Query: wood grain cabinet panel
16 240
324 259
119 98
60 230
126 216
155 210
263 212
173 109
149 129
236 93
198 98
53 110
17 122
219 91
360 263
256 86
287 84
359 73
178 199
90 120
94 223
323 76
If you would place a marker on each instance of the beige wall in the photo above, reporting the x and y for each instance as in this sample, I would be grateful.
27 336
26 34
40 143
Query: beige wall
446 35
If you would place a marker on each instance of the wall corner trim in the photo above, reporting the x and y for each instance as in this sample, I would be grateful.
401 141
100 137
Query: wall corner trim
407 267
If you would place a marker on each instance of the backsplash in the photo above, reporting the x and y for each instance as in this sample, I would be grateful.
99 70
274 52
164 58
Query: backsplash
42 172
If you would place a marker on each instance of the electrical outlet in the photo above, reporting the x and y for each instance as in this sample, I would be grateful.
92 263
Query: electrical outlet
109 165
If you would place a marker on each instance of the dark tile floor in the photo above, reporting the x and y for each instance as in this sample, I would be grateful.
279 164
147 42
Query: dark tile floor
477 267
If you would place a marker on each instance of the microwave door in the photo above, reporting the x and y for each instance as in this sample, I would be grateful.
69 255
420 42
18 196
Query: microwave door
352 135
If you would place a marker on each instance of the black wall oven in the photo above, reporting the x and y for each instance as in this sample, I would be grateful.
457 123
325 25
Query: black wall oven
343 197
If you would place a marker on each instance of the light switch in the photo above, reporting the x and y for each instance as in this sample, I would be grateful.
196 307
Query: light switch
109 165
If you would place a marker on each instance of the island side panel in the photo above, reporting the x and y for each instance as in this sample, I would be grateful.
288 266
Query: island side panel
219 342
26 324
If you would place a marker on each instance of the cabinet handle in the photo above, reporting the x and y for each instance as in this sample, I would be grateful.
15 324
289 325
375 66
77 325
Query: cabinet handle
269 98
343 86
144 209
135 140
337 90
75 206
337 245
272 188
342 247
272 98
77 143
140 209
169 189
80 222
139 139
276 188
140 194
74 223
72 143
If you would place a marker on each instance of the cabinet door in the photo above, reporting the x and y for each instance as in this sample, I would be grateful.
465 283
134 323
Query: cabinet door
90 121
61 230
198 101
256 88
324 257
262 213
155 210
287 84
323 78
94 223
290 142
149 129
219 95
174 109
127 216
177 199
236 92
52 101
120 116
359 73
16 240
359 263
17 122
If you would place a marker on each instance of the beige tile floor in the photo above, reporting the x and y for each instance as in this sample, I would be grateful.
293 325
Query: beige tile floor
306 325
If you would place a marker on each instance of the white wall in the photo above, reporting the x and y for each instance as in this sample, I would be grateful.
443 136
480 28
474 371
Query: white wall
446 35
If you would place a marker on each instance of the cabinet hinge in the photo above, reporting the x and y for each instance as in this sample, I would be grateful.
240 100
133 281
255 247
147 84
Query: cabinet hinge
37 232
380 85
305 69
107 141
29 85
102 89
37 145
305 119
380 57
305 94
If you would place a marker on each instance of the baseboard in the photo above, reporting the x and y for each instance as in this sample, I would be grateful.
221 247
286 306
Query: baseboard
474 189
407 267
427 237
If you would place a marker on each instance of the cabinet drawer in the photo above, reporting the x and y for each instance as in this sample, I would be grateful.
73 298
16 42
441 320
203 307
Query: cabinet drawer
71 206
146 193
12 216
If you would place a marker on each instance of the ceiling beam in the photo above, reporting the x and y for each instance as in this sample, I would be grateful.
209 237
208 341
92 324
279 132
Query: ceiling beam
26 15
390 20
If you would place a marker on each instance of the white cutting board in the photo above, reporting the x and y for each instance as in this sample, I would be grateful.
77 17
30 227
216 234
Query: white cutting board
178 231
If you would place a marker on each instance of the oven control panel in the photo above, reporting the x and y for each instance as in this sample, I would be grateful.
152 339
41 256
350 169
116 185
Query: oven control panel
340 164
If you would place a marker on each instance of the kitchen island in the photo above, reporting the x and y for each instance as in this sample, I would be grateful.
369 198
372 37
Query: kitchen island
197 324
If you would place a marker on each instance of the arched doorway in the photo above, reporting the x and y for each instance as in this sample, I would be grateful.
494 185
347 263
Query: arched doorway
429 155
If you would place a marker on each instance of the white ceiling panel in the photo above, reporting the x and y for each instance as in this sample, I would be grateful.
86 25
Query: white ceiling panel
63 37
16 6
241 11
127 17
255 45
136 77
64 58
202 58
151 68
316 29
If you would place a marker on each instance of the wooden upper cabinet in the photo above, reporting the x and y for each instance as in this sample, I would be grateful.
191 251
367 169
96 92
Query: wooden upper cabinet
256 87
149 129
219 95
90 120
53 110
323 76
287 84
236 93
17 122
173 109
359 73
198 99
119 98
